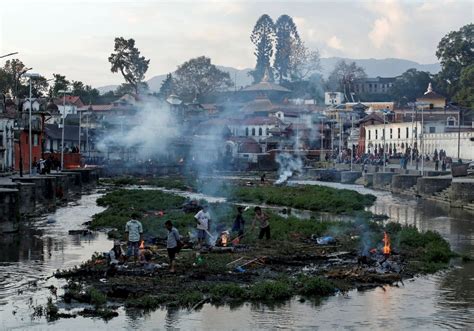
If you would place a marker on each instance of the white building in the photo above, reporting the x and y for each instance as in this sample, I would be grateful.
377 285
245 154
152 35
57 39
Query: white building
333 98
255 127
437 135
6 144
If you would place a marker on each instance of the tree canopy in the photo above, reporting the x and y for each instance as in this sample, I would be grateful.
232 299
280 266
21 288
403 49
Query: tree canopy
287 42
455 52
344 76
198 78
263 37
167 86
410 85
465 96
126 58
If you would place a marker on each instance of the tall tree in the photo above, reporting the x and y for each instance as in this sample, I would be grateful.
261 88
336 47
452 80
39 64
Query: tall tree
126 59
304 62
263 37
344 76
455 52
410 85
287 41
167 86
14 69
465 96
60 83
198 77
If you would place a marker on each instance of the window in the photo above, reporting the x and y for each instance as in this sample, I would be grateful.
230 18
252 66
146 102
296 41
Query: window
260 132
391 133
35 140
253 131
268 131
369 135
1 138
407 133
246 131
432 129
376 134
451 121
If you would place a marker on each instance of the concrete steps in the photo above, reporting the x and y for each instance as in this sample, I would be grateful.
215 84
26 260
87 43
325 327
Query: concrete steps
441 196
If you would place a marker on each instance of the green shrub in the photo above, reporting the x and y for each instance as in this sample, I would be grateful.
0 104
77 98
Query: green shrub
270 290
316 286
97 297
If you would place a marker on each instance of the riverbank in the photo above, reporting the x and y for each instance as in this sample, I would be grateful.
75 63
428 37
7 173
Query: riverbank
238 273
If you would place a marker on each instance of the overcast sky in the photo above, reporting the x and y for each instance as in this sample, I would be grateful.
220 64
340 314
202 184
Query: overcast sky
75 38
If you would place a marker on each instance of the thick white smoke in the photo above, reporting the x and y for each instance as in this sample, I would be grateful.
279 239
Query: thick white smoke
148 134
288 166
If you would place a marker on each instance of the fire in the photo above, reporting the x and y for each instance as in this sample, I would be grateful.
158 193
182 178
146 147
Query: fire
386 243
224 239
142 245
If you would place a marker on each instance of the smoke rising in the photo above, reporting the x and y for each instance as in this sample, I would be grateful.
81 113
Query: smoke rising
148 135
288 166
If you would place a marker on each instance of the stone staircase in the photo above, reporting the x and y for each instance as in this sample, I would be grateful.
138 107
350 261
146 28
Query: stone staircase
469 206
411 191
441 196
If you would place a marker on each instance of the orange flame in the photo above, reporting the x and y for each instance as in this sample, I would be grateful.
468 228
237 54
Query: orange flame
142 245
224 239
386 243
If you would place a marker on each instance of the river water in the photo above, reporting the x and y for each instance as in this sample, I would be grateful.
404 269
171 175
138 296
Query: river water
441 301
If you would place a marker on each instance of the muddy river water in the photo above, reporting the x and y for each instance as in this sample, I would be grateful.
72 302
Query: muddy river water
441 301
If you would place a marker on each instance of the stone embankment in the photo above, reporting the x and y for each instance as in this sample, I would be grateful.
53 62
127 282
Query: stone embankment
438 186
23 197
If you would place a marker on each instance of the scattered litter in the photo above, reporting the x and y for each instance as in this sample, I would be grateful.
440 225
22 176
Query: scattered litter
327 240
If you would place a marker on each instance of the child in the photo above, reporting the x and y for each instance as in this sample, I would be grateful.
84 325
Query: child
264 225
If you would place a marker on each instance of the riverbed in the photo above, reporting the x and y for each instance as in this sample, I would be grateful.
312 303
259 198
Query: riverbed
440 301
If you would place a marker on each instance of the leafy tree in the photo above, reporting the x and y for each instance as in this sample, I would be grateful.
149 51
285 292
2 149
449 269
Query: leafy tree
14 69
126 59
263 37
287 41
465 96
410 85
344 76
455 52
303 61
60 83
86 92
198 77
127 88
167 86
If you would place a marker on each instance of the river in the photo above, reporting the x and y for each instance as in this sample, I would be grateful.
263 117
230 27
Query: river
441 301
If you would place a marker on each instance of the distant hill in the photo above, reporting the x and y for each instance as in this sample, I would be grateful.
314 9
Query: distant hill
373 67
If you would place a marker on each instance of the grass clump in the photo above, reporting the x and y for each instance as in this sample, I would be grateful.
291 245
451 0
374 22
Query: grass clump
228 290
310 197
315 286
270 290
97 298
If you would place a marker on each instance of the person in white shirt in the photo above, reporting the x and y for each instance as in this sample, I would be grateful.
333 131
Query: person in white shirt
203 219
134 229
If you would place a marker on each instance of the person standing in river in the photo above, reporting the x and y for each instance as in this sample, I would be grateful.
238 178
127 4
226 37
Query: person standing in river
263 223
134 229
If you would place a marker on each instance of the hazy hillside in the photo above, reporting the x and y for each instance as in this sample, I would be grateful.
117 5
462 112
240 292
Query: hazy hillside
373 68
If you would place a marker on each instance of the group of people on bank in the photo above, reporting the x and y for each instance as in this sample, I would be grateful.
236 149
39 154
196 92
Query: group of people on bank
134 233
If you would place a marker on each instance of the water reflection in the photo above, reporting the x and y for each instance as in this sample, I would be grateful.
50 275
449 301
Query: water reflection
444 300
